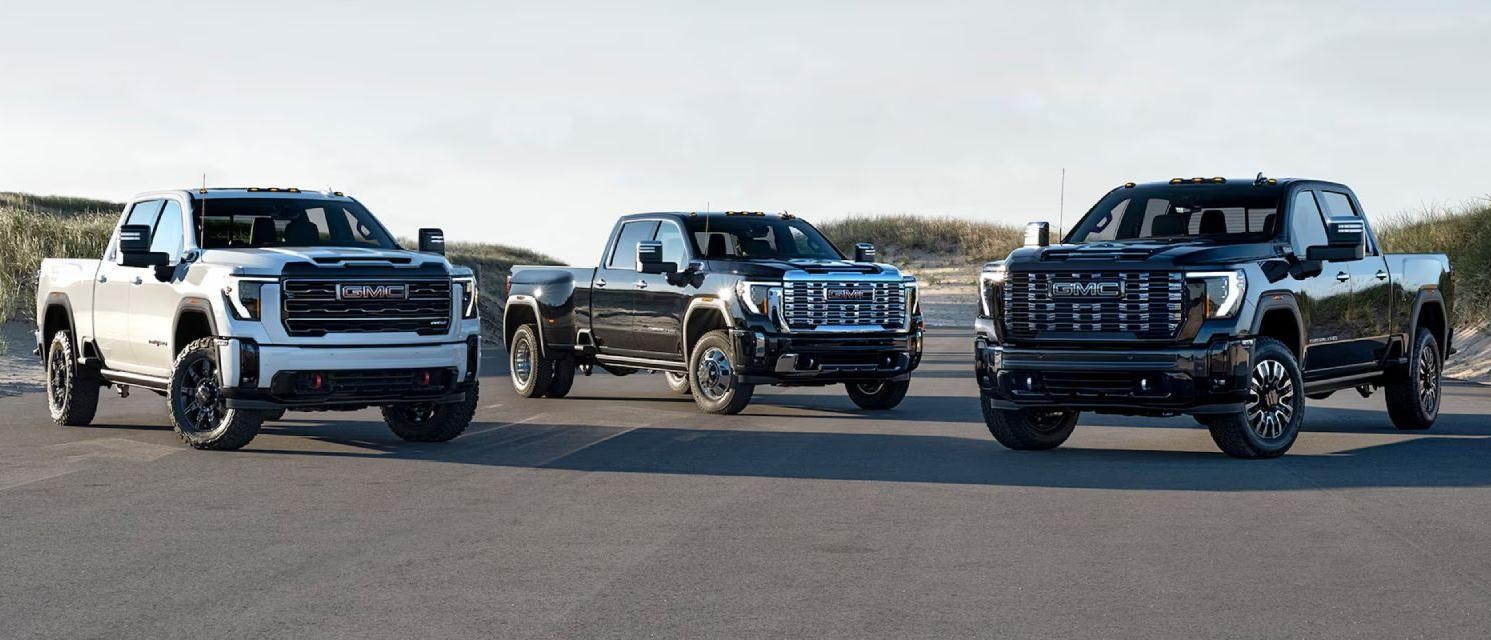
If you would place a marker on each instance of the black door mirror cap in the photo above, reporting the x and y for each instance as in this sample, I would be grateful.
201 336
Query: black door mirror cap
432 241
864 252
144 259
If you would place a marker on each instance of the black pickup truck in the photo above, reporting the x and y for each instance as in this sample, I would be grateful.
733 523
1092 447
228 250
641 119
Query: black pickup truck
1228 300
720 303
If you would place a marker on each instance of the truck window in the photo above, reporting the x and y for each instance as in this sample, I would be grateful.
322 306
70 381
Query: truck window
624 254
1337 204
672 239
145 213
1217 212
1305 225
719 237
167 236
250 223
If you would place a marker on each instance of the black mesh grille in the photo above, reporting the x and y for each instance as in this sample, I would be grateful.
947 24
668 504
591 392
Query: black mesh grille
1085 305
310 307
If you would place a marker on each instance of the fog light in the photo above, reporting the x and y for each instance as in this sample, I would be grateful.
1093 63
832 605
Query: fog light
1144 384
317 382
424 378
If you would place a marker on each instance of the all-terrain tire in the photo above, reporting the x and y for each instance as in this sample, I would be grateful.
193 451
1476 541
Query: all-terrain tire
72 388
678 382
430 422
530 372
1028 429
878 396
564 379
226 429
1414 395
712 369
1271 417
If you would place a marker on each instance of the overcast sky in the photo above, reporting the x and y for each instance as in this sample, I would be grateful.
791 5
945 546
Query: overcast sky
536 123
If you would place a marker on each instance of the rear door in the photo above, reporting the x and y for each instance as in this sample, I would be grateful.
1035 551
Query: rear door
112 291
1325 298
153 304
1371 286
616 302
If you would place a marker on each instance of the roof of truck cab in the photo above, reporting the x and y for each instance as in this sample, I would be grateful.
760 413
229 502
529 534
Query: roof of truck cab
213 193
708 214
1211 182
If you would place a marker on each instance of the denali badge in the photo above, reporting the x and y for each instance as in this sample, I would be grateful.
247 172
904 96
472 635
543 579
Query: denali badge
1087 289
372 292
847 294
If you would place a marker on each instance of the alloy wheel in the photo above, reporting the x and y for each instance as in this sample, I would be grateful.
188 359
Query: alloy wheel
522 363
1429 381
714 374
1271 398
201 397
57 378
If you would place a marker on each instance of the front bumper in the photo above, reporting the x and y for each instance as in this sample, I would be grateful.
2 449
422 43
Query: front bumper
1191 379
274 377
788 359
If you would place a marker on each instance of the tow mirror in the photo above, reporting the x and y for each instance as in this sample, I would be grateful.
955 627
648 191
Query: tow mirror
650 258
134 247
1038 234
864 252
432 241
1345 238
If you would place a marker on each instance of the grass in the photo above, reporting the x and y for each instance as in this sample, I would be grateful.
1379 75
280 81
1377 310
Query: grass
1464 234
939 250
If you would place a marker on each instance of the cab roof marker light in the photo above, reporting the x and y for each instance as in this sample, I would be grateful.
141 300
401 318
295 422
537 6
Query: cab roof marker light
1176 181
1128 185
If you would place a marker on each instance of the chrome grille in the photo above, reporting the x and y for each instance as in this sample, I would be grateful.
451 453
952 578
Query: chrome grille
1150 306
827 305
310 308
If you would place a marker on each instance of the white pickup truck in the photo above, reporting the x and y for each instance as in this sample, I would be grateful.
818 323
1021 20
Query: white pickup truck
240 304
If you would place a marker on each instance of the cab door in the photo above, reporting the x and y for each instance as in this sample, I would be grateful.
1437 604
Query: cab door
617 303
153 304
662 299
1325 296
1371 287
113 288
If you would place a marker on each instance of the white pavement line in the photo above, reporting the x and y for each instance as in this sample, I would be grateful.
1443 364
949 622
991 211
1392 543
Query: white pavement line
502 426
493 406
551 460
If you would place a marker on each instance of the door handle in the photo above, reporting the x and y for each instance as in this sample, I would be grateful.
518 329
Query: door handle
138 280
600 282
103 278
1381 275
641 284
1342 277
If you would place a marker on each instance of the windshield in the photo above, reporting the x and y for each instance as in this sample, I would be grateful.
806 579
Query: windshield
252 223
1228 213
758 238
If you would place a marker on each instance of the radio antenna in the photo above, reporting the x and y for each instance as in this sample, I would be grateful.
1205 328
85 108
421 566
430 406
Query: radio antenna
202 219
1061 206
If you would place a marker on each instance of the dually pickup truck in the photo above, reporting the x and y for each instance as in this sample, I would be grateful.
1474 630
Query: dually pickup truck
1228 300
240 304
720 303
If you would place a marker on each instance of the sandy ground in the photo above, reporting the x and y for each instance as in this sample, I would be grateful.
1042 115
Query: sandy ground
20 372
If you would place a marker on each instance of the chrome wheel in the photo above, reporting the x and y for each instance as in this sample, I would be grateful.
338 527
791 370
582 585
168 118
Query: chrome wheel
200 397
1428 387
522 362
1271 400
57 379
714 374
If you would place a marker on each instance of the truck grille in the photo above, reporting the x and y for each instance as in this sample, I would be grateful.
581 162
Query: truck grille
830 305
1061 305
310 308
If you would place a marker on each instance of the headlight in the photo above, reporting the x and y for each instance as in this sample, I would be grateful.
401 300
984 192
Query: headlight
470 295
994 274
1223 293
244 298
756 297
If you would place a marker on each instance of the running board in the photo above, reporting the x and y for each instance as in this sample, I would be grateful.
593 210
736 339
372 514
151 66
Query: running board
135 379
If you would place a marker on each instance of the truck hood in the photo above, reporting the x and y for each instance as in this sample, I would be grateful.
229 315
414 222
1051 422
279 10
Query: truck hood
777 269
271 261
1139 255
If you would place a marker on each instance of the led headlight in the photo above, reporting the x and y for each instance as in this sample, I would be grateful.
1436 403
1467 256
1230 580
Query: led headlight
1223 292
993 276
470 295
756 297
244 298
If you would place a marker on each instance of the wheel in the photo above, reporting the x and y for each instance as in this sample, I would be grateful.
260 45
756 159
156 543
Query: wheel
1275 409
199 411
877 396
712 369
1028 429
72 388
1413 398
531 373
564 378
678 382
430 422
275 415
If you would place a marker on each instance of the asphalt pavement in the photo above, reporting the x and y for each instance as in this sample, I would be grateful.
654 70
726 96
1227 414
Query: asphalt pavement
624 512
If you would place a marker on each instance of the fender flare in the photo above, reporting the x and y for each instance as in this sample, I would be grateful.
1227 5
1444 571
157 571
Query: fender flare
1423 297
58 299
195 304
709 304
538 316
1283 299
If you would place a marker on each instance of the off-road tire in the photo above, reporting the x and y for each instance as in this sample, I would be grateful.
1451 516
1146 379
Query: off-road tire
540 372
564 379
1028 429
237 426
879 396
72 388
431 422
1235 433
714 349
1415 394
678 382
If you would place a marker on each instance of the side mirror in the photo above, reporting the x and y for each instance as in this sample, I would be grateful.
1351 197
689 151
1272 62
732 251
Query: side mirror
134 247
1345 238
432 241
1038 234
650 258
864 252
